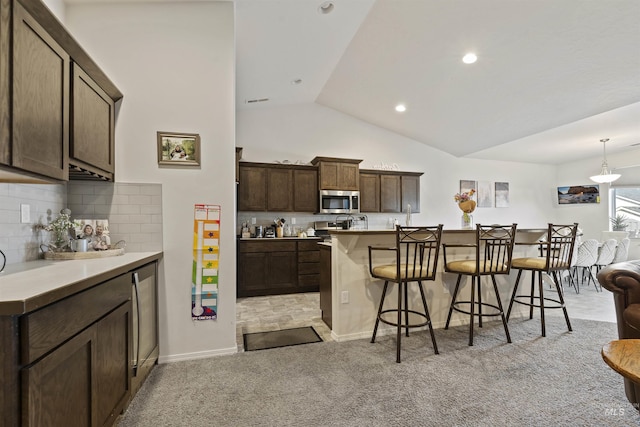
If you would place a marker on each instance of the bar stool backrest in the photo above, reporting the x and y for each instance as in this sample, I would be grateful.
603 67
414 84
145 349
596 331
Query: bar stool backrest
417 252
494 248
558 247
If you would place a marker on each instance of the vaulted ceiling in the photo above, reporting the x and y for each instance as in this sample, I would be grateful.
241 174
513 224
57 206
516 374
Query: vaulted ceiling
552 78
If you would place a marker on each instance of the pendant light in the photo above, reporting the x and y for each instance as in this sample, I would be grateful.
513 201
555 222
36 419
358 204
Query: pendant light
605 175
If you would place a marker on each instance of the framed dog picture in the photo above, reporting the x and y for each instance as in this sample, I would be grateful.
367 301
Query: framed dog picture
178 149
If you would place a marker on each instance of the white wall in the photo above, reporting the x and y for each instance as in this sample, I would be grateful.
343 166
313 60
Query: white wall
174 63
58 8
593 218
302 132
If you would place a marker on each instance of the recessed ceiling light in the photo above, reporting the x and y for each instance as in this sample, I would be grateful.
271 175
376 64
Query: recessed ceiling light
469 58
401 108
326 7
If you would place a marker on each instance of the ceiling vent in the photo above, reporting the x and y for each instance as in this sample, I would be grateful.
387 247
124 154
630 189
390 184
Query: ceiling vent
255 101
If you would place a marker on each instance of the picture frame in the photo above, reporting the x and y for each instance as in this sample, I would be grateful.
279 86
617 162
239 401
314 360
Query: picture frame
485 194
501 194
578 194
467 185
178 149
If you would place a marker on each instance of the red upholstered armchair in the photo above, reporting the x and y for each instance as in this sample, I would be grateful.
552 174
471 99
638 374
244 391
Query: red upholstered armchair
623 279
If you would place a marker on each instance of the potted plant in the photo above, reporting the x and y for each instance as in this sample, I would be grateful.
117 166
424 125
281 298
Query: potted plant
619 223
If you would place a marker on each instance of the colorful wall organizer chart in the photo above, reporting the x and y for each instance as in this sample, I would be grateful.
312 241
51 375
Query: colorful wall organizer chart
206 252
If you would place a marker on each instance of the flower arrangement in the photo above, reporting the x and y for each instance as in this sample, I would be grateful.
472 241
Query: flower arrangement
466 204
60 227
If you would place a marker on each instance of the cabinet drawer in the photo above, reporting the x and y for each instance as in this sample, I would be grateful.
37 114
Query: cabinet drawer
310 245
309 256
309 268
309 280
46 328
271 246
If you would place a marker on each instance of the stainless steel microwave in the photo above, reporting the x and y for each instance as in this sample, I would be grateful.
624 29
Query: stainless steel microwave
339 202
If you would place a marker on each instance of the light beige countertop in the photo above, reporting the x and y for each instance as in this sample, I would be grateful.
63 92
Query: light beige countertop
277 239
25 287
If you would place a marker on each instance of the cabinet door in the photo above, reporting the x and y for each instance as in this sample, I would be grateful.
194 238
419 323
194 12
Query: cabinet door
252 269
390 193
5 83
330 176
252 189
112 373
369 192
410 193
348 179
59 390
40 99
282 270
92 140
279 190
305 189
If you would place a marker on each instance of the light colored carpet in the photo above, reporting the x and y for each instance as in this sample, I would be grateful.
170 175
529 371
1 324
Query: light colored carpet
558 380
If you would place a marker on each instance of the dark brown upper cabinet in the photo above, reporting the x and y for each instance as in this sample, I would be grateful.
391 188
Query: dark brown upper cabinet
40 94
389 191
369 192
277 188
337 174
252 188
56 123
92 143
411 191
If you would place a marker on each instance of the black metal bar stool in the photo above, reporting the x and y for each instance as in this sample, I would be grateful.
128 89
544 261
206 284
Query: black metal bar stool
416 259
556 251
493 251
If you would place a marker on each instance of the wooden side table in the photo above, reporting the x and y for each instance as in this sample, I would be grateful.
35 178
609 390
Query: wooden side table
623 356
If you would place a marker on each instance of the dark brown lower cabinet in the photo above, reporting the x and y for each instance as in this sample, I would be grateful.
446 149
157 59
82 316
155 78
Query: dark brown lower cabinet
58 389
69 363
84 382
277 267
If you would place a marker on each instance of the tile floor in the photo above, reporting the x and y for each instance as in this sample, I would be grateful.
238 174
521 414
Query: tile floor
270 313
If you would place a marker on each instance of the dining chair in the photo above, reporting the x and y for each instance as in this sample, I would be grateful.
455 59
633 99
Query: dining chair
587 256
558 251
416 258
622 251
606 253
493 252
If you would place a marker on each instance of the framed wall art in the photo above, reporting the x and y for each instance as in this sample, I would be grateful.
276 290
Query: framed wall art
502 194
178 149
579 194
467 185
485 195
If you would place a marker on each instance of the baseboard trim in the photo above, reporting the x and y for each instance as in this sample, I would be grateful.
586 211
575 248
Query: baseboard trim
197 355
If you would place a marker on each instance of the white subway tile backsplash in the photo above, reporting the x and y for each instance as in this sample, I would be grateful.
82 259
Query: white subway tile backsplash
134 212
128 189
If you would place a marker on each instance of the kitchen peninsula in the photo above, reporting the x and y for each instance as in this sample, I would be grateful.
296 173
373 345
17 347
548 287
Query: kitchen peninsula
355 295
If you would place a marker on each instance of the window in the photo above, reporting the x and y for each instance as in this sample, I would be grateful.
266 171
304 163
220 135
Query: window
626 202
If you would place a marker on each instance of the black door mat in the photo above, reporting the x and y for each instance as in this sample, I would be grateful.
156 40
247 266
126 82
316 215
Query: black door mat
283 338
